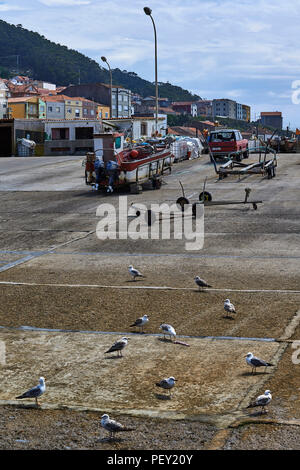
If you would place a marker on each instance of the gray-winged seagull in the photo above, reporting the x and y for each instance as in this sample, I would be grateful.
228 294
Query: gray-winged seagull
229 307
168 330
254 362
35 392
134 272
118 346
140 322
113 426
166 384
200 282
262 400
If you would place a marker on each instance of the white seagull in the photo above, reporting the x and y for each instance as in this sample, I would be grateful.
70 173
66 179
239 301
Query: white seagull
166 384
118 346
134 272
35 392
140 322
168 330
229 307
254 362
200 282
262 400
113 426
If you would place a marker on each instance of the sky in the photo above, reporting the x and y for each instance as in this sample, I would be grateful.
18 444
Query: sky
246 50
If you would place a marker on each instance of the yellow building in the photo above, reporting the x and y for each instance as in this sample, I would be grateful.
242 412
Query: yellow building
246 113
26 107
103 111
73 106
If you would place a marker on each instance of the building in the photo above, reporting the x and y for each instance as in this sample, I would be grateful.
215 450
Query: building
185 107
27 107
55 107
4 95
101 93
273 119
246 113
138 127
103 111
224 108
204 107
239 111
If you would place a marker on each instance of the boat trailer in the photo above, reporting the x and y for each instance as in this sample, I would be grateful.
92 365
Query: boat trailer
263 167
205 198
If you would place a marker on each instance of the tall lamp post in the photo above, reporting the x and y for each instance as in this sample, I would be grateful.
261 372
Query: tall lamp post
148 12
104 59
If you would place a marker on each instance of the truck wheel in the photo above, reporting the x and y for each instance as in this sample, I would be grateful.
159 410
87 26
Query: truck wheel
246 154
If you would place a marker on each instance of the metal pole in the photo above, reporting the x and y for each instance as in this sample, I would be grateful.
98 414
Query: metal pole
104 59
148 12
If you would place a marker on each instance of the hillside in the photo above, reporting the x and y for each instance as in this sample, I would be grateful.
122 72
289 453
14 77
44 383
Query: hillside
43 59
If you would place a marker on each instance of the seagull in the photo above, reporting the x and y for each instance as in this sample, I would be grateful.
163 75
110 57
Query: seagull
113 426
200 282
140 322
229 307
254 362
166 384
134 272
118 346
168 330
262 400
35 392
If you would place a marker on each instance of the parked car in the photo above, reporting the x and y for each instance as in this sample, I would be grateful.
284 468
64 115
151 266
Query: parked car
228 143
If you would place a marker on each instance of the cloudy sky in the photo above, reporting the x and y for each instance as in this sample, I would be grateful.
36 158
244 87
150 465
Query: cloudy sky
248 50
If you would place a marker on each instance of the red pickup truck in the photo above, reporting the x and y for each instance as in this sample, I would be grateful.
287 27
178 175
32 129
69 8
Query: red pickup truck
228 143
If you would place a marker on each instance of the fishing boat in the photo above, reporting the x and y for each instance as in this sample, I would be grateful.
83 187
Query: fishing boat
131 167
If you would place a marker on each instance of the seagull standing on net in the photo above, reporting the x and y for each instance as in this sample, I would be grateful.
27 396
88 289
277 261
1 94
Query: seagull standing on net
112 426
35 392
262 400
140 322
134 272
118 346
229 307
166 384
254 362
200 282
168 330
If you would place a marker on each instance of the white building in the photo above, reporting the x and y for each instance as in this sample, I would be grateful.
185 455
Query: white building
4 95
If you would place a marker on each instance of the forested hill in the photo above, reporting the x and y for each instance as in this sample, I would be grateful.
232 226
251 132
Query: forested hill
42 59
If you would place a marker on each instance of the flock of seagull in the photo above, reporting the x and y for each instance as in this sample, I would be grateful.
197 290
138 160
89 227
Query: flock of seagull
167 384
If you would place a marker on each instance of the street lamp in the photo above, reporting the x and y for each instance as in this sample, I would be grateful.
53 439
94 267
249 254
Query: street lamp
148 12
104 59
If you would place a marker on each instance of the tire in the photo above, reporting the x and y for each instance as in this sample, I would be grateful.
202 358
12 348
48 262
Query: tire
182 201
246 154
207 196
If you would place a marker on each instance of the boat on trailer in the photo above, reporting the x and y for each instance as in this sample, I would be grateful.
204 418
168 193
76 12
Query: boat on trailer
129 167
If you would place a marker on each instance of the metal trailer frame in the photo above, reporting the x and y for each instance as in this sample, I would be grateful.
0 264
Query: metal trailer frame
205 198
263 167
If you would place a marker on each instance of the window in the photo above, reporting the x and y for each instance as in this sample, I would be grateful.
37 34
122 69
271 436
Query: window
50 109
92 112
77 113
106 115
69 110
143 128
84 133
60 133
85 111
57 109
42 109
120 108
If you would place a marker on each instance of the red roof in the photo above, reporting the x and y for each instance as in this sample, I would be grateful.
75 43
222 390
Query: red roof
272 113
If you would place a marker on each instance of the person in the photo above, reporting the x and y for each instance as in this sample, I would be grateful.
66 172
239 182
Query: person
99 170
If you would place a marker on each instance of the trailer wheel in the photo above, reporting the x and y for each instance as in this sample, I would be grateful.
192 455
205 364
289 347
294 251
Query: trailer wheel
156 183
182 201
270 176
86 177
206 196
254 206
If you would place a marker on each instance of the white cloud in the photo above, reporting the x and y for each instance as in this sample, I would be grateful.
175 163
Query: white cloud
63 3
6 7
